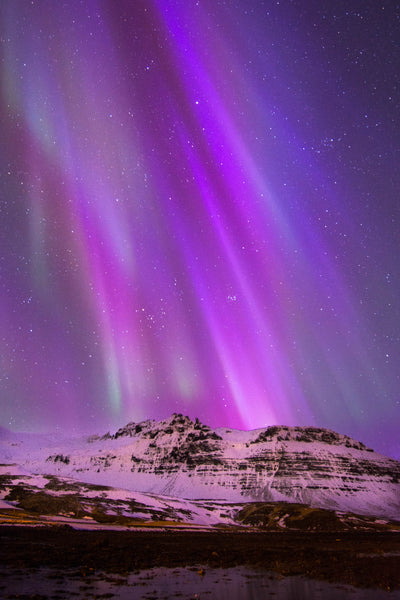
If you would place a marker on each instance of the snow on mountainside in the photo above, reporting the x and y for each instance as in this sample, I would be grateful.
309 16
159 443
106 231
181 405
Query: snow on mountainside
186 459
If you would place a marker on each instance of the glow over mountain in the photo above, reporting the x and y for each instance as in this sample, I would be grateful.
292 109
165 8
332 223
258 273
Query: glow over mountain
199 212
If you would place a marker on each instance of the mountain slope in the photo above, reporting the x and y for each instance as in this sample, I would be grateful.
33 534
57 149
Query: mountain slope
186 459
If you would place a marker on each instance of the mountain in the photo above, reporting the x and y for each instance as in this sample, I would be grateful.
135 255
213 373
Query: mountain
182 458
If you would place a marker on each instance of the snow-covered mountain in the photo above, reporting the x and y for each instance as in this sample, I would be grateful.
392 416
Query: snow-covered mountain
183 458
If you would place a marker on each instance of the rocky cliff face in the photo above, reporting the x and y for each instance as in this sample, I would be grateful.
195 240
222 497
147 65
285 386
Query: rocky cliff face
184 458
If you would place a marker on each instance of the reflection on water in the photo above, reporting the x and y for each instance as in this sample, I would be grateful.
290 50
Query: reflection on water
237 583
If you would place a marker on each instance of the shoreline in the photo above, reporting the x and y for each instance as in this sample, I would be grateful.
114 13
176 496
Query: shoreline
360 559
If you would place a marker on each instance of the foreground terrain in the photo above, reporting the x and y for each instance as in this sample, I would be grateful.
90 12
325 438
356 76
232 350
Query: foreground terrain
360 559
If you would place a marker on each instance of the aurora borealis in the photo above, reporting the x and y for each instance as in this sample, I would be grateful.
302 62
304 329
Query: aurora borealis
200 213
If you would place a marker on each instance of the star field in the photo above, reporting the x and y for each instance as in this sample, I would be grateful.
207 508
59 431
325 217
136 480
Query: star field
199 212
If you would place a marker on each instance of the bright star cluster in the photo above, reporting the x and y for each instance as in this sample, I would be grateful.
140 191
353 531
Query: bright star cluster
199 213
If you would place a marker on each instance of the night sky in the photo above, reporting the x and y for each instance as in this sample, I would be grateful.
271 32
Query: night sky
200 213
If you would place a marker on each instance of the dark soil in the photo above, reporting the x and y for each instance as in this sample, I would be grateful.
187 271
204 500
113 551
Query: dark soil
355 558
